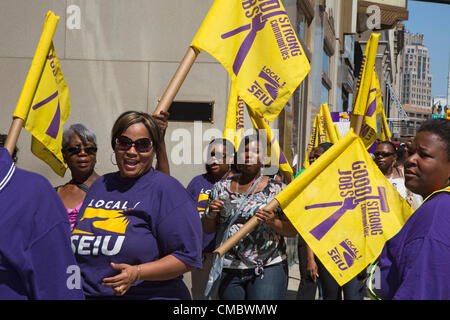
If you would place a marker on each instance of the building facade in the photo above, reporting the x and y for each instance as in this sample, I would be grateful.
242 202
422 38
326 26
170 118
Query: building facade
416 115
416 77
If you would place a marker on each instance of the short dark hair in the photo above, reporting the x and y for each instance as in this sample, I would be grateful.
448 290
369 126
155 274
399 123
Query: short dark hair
227 145
441 128
390 143
325 146
246 140
129 118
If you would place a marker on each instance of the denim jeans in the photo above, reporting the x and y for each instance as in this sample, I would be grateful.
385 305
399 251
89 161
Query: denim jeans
251 287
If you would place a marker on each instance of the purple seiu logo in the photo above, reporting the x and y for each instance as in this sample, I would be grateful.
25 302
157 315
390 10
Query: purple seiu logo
268 92
345 256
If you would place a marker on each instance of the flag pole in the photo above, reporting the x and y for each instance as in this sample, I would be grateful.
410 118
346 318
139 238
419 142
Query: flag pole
177 80
244 230
29 89
13 134
358 123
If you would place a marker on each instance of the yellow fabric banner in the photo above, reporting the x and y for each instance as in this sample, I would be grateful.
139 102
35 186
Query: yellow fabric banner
273 148
313 140
44 103
323 130
385 133
344 208
255 42
330 130
365 102
234 121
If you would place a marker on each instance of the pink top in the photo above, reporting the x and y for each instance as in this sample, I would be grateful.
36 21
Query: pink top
73 215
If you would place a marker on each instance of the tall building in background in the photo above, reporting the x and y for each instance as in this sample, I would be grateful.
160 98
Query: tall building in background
416 82
416 77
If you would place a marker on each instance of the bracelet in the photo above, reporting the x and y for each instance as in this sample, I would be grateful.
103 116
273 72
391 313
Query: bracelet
139 273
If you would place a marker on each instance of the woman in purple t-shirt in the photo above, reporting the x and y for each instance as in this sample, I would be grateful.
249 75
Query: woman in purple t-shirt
138 230
415 263
220 155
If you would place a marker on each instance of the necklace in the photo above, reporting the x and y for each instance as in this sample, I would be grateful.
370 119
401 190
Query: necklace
249 187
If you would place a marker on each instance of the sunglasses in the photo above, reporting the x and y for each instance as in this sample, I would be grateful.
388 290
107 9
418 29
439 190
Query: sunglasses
141 145
77 149
383 154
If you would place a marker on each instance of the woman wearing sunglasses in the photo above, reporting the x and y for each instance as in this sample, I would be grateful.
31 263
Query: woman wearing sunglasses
79 149
385 158
138 229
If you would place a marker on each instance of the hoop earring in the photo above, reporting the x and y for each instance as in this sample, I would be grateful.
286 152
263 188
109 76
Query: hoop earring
112 157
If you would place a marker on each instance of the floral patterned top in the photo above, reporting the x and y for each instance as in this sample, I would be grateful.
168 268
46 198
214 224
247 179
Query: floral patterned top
262 245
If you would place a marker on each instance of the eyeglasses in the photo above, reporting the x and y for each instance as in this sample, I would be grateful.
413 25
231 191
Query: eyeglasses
383 154
124 143
77 149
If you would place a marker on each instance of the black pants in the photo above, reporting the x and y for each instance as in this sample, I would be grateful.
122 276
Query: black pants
307 287
353 290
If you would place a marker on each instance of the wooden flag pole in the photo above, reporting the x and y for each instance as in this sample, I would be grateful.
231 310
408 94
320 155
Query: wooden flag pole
13 134
244 230
358 123
177 80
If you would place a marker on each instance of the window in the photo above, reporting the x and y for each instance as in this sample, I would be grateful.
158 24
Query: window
191 111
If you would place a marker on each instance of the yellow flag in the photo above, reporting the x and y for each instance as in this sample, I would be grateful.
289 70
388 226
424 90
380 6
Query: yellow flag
313 140
385 133
330 130
44 103
323 130
344 208
273 149
365 101
255 42
234 121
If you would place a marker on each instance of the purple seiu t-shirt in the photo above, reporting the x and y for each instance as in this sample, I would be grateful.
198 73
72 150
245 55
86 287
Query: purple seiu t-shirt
415 263
135 221
36 260
200 188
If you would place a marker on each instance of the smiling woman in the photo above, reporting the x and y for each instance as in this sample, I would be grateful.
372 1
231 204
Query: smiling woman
414 264
138 230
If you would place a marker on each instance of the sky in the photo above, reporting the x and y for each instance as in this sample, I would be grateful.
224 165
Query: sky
433 21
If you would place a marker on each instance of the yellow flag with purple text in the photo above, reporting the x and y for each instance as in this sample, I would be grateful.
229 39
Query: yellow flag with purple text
368 95
327 124
44 103
255 42
234 121
314 139
344 208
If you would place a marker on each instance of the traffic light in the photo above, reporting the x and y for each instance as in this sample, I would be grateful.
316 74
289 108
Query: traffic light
447 114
